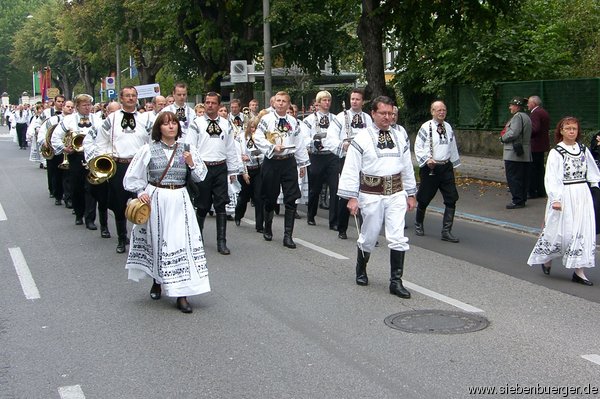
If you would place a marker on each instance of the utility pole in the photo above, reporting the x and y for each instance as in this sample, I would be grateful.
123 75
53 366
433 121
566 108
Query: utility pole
118 77
267 51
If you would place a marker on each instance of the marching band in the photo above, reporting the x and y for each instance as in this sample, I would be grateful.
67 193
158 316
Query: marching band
266 153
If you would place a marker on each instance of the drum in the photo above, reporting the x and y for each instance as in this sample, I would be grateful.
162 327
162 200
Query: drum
137 212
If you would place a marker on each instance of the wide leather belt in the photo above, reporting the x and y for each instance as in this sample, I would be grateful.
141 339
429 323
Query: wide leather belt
252 167
380 185
123 160
169 186
280 157
326 152
215 163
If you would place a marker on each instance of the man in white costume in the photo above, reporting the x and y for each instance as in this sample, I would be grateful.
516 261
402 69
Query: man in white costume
378 178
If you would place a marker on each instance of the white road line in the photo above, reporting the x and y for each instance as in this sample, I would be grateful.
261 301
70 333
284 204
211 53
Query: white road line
71 392
29 288
592 358
319 249
456 303
2 214
308 244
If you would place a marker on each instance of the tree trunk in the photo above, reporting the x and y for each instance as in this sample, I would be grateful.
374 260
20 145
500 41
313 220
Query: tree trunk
370 34
244 92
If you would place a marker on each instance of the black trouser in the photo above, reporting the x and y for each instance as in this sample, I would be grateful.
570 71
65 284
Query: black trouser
278 173
516 177
100 194
323 169
21 132
253 191
212 190
117 195
83 203
55 176
536 175
443 180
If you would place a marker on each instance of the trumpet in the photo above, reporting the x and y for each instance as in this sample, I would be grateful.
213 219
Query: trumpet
102 168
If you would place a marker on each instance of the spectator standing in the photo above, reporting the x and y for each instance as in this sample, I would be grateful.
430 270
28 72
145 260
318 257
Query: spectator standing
516 138
540 144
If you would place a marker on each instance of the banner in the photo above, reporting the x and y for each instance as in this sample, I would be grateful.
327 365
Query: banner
45 82
148 91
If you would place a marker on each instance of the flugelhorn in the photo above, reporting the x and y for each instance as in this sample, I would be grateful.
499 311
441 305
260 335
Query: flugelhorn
102 168
276 138
77 142
67 142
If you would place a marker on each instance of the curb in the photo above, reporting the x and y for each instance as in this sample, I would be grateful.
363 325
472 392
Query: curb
491 221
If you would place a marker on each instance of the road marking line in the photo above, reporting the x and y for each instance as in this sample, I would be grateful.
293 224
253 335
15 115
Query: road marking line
454 302
71 392
2 214
320 249
592 358
308 245
27 283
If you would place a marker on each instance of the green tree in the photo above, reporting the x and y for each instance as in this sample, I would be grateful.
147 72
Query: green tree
14 79
37 43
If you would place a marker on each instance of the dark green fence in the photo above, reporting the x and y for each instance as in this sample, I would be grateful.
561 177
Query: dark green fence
574 97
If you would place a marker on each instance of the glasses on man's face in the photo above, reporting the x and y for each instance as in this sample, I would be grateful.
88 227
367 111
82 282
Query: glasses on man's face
129 95
382 113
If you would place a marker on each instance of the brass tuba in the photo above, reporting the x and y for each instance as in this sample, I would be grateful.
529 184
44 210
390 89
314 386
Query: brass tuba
102 168
46 149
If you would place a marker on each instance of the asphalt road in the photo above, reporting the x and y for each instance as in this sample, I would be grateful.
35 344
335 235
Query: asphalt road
278 323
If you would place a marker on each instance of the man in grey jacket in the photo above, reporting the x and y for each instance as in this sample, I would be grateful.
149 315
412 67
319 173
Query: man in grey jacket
516 137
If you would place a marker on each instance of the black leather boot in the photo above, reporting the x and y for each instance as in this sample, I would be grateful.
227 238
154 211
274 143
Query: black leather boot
447 225
268 232
121 235
259 218
221 233
419 218
288 228
103 216
200 220
240 211
396 272
361 267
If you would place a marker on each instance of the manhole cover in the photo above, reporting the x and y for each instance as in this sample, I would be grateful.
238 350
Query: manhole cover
436 322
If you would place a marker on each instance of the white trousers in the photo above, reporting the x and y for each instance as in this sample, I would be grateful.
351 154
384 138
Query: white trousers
377 209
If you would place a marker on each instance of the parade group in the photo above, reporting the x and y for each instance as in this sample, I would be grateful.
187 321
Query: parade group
186 163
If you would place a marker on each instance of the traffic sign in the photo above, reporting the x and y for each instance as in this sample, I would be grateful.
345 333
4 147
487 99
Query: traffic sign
239 71
109 81
111 93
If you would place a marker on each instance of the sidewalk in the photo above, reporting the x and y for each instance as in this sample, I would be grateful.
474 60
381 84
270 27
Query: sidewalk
483 192
481 184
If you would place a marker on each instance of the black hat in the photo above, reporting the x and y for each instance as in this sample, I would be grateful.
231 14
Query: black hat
520 101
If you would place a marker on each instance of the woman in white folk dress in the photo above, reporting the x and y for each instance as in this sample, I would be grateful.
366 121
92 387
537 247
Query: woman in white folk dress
569 229
169 246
